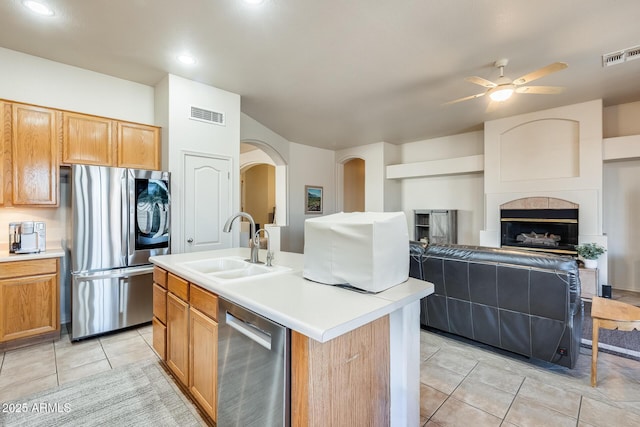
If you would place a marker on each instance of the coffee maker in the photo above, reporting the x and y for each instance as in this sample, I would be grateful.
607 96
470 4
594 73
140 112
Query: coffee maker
27 237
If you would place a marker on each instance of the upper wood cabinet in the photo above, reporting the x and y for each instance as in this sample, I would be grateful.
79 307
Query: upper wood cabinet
5 145
88 140
92 140
35 136
138 146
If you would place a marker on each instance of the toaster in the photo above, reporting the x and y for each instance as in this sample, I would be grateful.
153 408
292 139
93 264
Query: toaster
27 237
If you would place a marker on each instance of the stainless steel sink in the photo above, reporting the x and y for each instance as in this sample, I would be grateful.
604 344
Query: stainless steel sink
232 269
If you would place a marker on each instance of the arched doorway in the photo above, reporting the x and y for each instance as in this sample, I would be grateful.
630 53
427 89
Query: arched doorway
266 160
258 192
353 185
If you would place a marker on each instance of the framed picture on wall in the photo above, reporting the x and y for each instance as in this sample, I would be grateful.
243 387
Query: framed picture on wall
312 199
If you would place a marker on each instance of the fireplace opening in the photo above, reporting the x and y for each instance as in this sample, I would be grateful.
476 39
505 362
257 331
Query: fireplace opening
545 230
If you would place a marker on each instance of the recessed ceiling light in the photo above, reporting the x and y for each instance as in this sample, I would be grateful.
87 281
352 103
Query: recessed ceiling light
37 7
253 1
186 59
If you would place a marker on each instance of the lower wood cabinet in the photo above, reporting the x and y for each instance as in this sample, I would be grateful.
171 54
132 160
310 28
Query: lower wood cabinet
29 302
178 337
203 360
185 336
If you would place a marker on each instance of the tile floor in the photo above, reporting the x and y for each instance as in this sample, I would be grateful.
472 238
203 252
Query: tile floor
28 370
464 384
461 384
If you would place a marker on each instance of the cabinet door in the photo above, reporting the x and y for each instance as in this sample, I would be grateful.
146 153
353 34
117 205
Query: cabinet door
87 140
138 146
29 306
5 145
178 337
203 362
34 155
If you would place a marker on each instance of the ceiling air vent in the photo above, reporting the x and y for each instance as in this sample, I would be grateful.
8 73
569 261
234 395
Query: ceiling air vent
207 116
620 56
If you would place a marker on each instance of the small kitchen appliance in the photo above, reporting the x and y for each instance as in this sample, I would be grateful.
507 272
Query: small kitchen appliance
27 237
364 250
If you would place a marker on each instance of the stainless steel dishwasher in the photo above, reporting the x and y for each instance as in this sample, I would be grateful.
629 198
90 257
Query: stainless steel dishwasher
253 369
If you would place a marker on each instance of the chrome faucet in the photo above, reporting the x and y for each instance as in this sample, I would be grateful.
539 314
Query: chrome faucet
256 242
252 232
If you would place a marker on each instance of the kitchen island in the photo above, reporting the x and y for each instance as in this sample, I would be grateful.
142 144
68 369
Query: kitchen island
354 356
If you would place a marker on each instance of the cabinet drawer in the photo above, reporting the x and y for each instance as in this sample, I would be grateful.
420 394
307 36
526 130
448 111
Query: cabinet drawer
178 286
160 303
160 276
204 301
28 268
159 338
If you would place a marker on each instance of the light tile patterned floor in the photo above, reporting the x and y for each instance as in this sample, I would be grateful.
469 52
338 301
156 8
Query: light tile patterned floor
461 384
32 369
464 384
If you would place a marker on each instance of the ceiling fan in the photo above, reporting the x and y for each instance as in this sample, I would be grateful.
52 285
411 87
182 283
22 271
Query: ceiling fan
504 87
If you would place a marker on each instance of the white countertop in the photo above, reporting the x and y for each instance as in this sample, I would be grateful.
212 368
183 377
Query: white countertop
5 256
319 311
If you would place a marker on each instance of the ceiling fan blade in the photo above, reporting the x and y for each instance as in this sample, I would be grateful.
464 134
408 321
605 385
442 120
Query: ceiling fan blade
480 81
540 90
534 75
466 98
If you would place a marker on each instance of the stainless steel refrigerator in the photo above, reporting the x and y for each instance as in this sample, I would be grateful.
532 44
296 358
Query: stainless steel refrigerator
120 217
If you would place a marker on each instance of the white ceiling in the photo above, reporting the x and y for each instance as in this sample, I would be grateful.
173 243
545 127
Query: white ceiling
341 73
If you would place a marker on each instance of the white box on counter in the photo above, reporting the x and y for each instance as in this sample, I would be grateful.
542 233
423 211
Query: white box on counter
366 250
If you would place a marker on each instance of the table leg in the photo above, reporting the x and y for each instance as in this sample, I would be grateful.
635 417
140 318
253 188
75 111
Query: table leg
594 352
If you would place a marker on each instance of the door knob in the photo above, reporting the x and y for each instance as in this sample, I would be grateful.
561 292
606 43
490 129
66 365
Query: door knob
189 240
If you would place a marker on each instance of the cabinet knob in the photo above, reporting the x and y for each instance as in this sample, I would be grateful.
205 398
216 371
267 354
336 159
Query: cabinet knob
189 240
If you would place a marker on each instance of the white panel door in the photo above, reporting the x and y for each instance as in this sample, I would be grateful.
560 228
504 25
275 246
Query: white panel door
207 206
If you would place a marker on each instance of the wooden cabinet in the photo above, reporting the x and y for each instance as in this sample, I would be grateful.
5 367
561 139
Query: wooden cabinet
92 140
5 145
88 140
33 151
159 321
185 335
29 302
178 337
203 360
138 146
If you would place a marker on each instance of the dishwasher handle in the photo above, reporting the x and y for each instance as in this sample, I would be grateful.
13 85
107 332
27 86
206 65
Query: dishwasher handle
248 330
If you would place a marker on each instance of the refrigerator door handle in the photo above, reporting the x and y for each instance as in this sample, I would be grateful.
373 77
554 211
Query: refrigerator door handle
127 211
118 272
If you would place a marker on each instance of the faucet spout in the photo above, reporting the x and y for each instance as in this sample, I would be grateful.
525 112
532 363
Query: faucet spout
252 231
256 242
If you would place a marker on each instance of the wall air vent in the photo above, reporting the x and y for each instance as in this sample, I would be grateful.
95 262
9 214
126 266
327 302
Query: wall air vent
207 116
620 56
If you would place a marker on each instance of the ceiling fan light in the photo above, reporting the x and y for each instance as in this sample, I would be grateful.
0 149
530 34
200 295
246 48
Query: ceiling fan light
501 94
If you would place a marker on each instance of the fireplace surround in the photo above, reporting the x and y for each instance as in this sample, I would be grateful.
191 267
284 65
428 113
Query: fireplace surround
531 224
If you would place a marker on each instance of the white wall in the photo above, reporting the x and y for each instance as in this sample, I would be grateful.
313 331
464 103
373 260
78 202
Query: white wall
380 194
175 96
277 149
621 200
463 192
308 166
39 81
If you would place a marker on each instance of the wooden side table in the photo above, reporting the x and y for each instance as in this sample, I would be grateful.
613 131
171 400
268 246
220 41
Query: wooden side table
610 314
